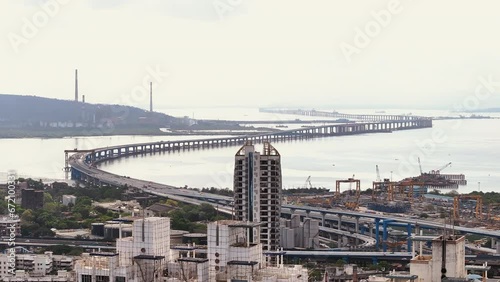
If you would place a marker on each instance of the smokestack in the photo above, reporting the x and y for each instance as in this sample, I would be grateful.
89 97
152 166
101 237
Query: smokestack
76 85
83 98
151 96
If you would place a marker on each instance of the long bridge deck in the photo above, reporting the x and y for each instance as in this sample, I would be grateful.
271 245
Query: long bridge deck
101 154
334 114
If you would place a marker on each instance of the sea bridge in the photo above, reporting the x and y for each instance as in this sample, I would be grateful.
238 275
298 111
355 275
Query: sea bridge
334 114
100 154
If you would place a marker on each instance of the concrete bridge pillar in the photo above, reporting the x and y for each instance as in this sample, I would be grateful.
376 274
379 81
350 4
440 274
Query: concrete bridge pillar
377 235
409 241
323 215
356 229
339 222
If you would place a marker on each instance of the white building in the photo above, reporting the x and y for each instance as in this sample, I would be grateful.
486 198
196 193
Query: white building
295 234
33 264
142 257
68 199
23 276
428 268
6 223
235 254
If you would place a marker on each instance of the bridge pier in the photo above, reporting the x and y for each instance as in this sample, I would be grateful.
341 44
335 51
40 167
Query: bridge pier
356 230
385 234
323 216
377 235
408 241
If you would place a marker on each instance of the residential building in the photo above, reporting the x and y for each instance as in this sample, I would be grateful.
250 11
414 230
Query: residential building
36 264
31 199
295 234
257 191
6 225
235 254
142 257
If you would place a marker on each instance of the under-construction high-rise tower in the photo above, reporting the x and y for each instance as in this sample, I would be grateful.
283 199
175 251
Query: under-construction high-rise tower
257 191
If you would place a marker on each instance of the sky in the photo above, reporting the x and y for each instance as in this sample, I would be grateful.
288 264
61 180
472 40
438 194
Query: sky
235 53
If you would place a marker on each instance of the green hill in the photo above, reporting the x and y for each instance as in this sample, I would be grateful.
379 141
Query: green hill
31 116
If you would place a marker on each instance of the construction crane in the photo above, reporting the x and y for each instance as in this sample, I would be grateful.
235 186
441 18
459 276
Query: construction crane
437 171
420 166
308 181
479 205
349 204
378 173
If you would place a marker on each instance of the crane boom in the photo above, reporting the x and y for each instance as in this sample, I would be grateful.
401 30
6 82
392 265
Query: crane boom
308 182
443 167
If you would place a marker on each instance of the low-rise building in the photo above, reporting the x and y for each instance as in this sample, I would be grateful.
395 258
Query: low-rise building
295 234
142 257
34 264
23 276
9 224
235 254
68 199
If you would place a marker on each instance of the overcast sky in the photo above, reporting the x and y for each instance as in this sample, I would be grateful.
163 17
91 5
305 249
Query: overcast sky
251 52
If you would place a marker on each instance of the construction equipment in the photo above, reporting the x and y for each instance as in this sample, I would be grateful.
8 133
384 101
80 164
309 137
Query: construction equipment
383 186
349 204
490 208
394 245
478 209
438 171
308 181
407 188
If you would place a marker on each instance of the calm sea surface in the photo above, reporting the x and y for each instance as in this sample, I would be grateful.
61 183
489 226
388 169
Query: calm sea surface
473 147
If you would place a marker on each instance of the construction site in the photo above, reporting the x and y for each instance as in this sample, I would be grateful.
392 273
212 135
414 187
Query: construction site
430 195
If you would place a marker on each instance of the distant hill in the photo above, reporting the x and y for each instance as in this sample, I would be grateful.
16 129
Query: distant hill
16 110
30 116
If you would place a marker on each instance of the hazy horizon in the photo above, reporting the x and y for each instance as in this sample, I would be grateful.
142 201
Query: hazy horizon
234 53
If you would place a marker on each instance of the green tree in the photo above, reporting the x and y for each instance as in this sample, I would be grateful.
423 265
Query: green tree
28 216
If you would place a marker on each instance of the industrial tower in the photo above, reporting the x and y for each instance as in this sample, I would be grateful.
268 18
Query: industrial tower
76 85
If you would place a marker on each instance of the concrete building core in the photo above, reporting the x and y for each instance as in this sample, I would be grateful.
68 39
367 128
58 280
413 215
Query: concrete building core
448 259
257 191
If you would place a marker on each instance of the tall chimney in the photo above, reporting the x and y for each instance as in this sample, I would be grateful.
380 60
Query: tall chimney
151 96
76 85
83 98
